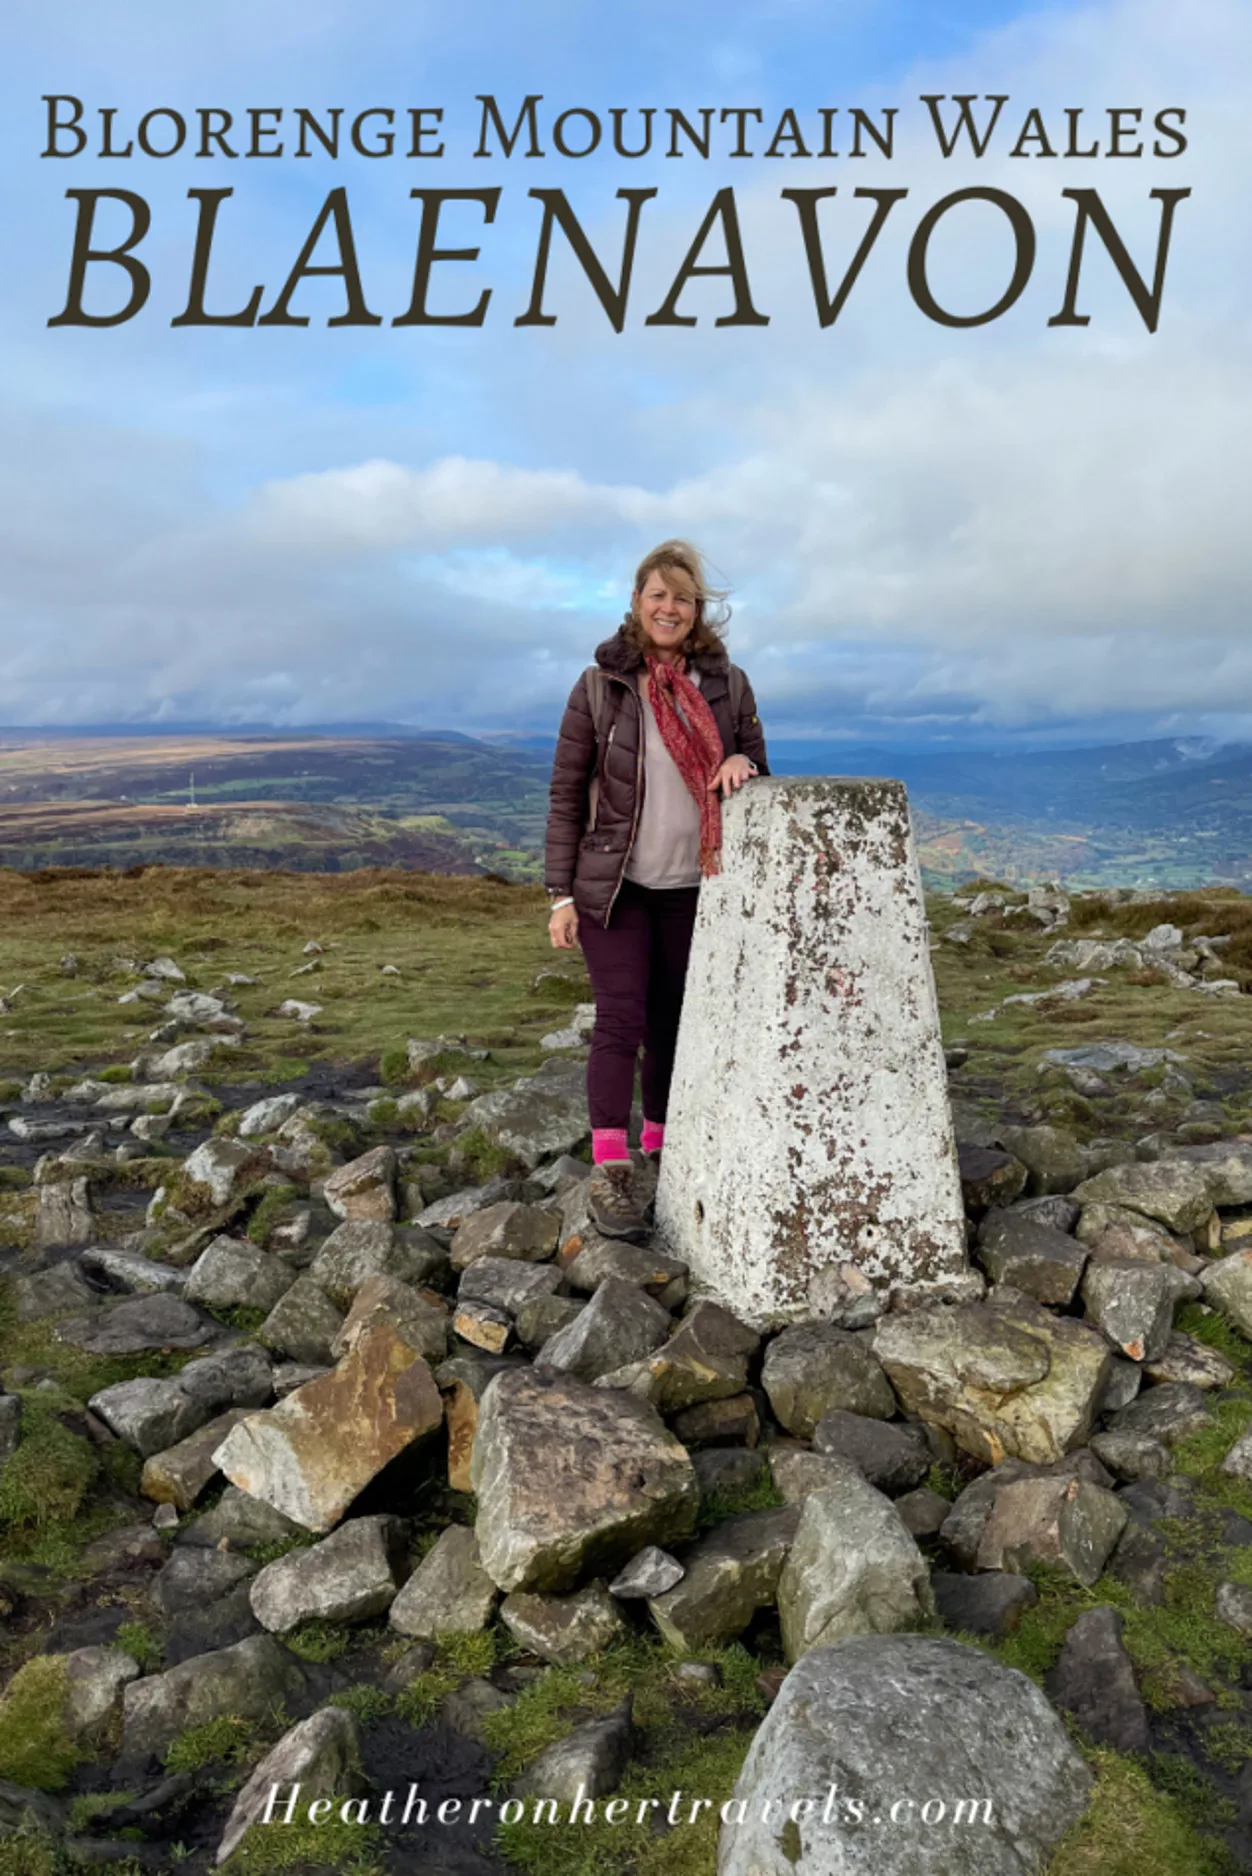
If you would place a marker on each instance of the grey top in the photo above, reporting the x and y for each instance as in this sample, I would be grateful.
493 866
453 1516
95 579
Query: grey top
667 840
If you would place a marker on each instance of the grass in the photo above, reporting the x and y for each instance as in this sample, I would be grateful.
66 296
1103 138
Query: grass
35 1748
461 944
138 1641
457 1658
717 1506
227 1740
47 1478
1133 1825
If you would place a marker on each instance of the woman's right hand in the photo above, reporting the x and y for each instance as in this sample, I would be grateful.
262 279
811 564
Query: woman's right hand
563 928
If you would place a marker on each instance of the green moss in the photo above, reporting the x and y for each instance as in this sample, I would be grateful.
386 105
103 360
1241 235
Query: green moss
14 1178
245 1317
346 1848
481 1157
29 1856
226 1740
393 1066
274 1202
35 1747
1134 1824
457 1658
366 1704
47 1478
137 1640
321 1641
116 1072
383 1113
717 1506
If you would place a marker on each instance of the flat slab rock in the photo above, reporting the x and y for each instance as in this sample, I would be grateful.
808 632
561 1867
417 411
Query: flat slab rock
573 1480
880 1716
311 1454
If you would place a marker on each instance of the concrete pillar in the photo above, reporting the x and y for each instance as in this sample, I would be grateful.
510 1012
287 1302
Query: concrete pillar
808 1123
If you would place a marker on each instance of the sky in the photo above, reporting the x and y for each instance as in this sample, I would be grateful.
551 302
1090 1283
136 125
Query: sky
933 535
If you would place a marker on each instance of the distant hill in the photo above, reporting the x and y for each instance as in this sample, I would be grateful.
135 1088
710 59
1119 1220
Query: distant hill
1166 812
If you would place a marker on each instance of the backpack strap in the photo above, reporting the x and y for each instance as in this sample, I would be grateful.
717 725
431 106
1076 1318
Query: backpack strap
593 679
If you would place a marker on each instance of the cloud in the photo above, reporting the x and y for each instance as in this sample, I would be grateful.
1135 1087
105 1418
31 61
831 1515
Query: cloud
927 530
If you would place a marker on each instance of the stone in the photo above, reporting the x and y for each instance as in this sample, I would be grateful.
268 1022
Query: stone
620 1324
811 1368
462 1381
1170 1191
1066 1522
728 1575
1233 1605
1004 1378
302 1324
796 1470
1108 1058
820 1168
300 1012
852 1569
509 1230
1132 1304
564 1629
194 1577
650 1573
310 1455
417 1317
705 1359
319 1757
1225 1167
892 1456
483 1326
241 1521
232 1274
63 1215
150 1415
923 1512
543 1315
727 1471
1238 1461
158 1321
1169 1413
587 1764
989 1176
992 1603
879 1715
347 1577
179 1474
1094 1680
221 1165
1185 1359
540 1116
449 1592
1055 1161
1125 1380
365 1187
123 1270
235 1377
589 1260
1131 1455
363 1248
10 1425
52 1292
94 1679
733 1421
267 1116
1030 1256
572 1480
1228 1287
506 1283
1054 1210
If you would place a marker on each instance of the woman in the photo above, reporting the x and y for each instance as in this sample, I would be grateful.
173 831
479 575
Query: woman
655 735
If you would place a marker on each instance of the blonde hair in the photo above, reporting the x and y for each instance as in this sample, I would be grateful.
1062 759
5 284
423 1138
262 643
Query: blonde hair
712 611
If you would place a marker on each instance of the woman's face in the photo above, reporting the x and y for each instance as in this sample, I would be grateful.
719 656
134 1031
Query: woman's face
667 614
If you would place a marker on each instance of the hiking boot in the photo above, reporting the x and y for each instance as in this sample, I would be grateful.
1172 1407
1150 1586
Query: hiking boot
619 1199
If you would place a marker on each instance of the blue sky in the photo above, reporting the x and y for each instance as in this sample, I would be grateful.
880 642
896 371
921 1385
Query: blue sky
1002 533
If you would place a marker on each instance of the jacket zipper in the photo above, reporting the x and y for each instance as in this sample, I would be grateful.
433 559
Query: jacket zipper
638 795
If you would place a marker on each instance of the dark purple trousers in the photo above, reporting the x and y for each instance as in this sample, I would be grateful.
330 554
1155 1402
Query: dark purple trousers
638 966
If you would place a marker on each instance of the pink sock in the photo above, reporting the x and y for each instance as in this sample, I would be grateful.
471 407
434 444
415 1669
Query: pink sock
652 1139
608 1143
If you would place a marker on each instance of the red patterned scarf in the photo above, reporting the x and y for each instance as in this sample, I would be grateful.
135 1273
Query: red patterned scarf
696 747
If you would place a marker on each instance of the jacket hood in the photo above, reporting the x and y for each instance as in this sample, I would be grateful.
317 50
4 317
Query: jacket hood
619 656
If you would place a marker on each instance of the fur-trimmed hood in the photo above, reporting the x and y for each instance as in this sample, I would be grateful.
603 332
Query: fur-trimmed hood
619 656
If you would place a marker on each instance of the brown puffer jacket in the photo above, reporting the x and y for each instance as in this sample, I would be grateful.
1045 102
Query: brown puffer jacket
590 862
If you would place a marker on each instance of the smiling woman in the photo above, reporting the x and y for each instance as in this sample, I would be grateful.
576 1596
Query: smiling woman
655 734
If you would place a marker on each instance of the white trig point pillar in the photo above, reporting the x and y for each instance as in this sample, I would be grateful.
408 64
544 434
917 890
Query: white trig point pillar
808 1123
